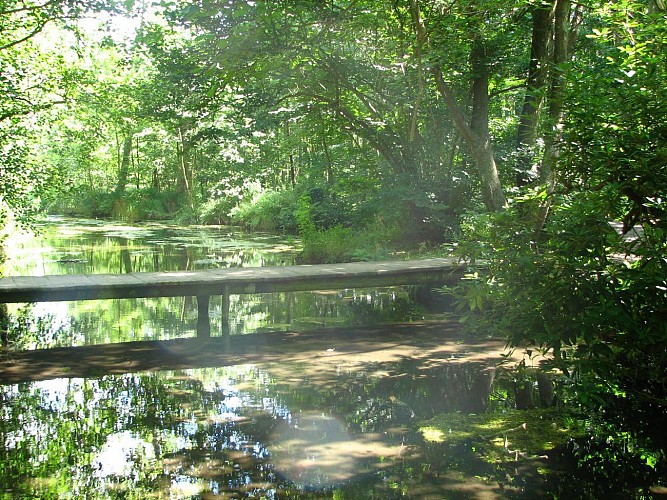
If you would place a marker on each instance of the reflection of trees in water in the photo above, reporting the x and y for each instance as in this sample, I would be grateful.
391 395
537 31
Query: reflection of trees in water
209 428
162 318
103 248
4 325
4 312
24 329
74 248
134 319
63 432
408 394
307 310
200 429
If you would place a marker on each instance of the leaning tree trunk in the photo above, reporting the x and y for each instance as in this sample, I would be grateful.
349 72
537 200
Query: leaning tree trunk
478 144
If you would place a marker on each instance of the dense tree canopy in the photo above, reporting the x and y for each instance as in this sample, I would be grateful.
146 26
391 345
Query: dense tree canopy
444 104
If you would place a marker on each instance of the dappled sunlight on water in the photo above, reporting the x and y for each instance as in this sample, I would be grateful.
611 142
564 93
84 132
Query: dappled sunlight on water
317 451
275 427
336 394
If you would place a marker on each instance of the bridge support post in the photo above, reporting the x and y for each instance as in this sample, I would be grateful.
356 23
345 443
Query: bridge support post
225 311
203 321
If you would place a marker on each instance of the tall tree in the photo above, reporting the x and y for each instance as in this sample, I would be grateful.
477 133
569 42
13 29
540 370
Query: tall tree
566 26
536 82
33 79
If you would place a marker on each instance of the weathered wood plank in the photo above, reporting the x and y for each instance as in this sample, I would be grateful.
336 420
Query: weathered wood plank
224 281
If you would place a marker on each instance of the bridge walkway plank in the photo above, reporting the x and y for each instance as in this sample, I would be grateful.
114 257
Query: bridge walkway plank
204 283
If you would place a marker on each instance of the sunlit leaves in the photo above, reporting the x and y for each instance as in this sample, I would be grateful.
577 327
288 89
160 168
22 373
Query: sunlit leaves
34 78
578 288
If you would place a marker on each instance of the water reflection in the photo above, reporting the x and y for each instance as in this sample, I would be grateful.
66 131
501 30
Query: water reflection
305 419
75 246
138 408
79 246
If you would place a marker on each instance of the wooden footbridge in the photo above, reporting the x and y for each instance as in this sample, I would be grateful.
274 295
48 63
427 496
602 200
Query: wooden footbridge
205 283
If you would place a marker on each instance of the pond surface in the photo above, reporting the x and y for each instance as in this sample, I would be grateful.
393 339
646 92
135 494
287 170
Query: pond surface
67 246
125 402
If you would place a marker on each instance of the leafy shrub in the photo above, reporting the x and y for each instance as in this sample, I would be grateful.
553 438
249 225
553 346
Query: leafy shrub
336 244
342 244
269 211
215 211
595 302
134 205
82 202
323 206
151 204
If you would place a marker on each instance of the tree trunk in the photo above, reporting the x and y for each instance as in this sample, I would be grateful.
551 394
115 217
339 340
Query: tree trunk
479 119
523 395
137 168
536 82
292 171
545 387
185 180
415 12
124 165
556 100
329 165
479 146
155 179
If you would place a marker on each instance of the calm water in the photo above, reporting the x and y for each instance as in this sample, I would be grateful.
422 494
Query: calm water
335 417
91 246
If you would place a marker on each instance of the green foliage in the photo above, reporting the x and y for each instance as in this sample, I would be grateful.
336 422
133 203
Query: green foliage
495 434
216 211
321 207
600 315
593 300
35 78
573 287
336 244
320 214
270 211
82 203
426 210
21 179
342 244
133 206
596 305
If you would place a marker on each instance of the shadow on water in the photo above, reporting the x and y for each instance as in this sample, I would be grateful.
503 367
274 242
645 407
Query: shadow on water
408 410
328 414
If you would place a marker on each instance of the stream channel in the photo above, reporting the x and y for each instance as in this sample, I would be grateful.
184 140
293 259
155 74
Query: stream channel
333 394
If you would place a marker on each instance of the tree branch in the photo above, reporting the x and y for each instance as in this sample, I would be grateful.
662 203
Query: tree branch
31 8
34 32
453 107
508 89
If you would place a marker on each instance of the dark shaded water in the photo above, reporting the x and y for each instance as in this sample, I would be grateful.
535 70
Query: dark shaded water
409 410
